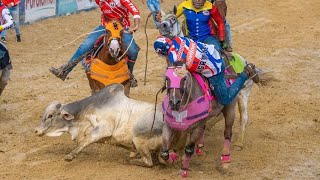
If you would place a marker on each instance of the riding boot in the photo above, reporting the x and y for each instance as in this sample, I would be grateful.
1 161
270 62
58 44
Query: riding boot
59 72
2 86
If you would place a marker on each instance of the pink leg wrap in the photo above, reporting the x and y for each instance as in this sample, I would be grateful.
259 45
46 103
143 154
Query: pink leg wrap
225 157
173 157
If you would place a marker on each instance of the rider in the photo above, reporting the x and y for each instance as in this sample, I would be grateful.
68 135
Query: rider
110 9
6 22
222 8
154 7
205 59
199 15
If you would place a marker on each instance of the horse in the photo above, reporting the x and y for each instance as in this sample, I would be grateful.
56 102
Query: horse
170 27
108 62
187 107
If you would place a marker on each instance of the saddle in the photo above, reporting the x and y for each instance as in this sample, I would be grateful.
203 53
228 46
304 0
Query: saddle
234 65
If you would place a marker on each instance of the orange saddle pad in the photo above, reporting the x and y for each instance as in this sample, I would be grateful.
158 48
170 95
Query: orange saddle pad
108 74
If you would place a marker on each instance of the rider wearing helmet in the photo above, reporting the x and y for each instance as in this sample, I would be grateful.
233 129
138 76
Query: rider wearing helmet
111 9
205 59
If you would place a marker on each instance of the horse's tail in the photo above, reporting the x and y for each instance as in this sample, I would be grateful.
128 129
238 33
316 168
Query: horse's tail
265 76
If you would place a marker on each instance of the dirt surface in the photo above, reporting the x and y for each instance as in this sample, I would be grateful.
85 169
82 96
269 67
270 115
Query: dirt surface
282 138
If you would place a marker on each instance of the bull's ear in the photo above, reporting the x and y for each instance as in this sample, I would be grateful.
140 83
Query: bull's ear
175 10
66 115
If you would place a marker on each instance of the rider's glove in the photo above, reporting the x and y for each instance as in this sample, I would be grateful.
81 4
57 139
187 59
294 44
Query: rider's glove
223 44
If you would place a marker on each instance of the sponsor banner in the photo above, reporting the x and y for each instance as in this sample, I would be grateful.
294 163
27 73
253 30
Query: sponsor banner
86 4
66 6
37 9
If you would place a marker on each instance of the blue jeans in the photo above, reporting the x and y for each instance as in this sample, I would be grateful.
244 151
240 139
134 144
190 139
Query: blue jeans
154 7
14 11
89 42
225 94
213 40
228 31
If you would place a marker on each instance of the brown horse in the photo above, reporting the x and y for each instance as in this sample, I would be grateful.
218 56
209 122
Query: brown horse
108 63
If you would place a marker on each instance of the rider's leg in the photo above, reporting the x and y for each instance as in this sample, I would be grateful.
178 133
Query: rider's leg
15 15
132 55
213 40
153 7
85 46
5 75
225 94
229 40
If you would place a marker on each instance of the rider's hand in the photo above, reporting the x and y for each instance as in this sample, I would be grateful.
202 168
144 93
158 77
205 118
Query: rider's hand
223 44
158 16
135 26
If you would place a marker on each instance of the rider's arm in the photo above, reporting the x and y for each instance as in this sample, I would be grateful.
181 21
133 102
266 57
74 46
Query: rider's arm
7 18
214 13
135 13
180 10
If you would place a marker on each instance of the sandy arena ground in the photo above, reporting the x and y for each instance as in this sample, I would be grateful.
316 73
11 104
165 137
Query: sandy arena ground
282 140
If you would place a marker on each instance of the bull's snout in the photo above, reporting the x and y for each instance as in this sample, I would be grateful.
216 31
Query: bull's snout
39 132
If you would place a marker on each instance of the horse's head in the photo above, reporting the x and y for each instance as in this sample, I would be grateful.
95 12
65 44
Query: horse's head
177 82
113 38
169 25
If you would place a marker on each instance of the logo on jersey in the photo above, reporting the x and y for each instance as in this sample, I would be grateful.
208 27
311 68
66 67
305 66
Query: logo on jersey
206 13
112 4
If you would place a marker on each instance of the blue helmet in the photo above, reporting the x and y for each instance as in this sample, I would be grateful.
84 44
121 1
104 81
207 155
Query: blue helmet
162 45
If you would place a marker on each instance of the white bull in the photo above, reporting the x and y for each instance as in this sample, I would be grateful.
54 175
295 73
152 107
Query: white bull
108 113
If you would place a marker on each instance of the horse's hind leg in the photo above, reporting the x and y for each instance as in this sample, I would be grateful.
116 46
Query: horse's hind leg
229 116
189 149
243 110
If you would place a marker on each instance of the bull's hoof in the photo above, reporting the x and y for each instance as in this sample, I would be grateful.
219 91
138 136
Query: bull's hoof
69 157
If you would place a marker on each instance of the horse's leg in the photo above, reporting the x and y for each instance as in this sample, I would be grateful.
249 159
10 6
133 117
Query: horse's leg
200 144
243 110
91 83
126 85
189 149
229 116
167 137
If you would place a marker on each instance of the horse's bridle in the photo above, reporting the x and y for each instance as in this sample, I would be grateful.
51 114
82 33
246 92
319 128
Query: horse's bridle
179 84
166 26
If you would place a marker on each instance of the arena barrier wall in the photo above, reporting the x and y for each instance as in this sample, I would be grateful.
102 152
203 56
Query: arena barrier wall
35 10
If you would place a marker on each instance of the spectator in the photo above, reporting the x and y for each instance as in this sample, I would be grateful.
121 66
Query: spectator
13 6
5 62
154 7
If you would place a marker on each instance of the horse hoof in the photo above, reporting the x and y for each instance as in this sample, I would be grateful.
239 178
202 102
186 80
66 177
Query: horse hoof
69 158
199 151
174 157
184 174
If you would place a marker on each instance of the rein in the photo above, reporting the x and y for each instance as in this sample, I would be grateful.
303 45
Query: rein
190 91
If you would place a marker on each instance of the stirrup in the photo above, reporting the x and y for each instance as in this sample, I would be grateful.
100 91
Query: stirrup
251 72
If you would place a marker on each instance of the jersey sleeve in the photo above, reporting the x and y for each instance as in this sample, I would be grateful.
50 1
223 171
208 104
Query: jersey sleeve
219 21
131 8
8 19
